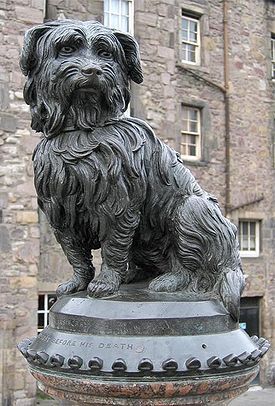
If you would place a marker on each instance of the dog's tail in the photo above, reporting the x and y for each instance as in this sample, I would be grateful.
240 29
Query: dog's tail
230 289
208 247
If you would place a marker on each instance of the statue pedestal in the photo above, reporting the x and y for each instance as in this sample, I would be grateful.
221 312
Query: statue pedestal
143 348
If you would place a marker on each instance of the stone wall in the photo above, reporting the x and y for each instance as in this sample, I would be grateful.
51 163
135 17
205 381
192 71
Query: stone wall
252 168
169 83
19 229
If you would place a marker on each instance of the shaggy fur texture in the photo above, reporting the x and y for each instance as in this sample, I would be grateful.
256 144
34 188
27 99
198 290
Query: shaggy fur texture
107 181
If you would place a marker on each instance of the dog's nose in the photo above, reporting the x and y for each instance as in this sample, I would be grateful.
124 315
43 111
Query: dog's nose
91 70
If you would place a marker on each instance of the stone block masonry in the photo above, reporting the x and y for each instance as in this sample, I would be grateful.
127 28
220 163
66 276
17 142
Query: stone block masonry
19 228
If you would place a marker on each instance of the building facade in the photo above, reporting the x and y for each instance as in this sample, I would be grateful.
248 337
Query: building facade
208 91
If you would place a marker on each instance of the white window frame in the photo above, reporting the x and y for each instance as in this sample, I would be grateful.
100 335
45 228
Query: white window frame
197 44
250 253
44 311
107 12
273 57
188 132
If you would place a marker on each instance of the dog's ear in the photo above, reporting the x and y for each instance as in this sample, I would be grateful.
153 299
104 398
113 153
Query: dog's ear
28 54
131 51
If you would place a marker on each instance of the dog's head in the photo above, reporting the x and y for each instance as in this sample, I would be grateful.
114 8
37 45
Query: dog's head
77 74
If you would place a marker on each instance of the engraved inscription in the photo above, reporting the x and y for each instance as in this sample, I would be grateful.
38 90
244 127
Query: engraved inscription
85 344
47 338
117 346
50 339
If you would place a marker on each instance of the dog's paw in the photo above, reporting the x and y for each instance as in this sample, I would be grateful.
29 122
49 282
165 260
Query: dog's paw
101 288
72 286
166 283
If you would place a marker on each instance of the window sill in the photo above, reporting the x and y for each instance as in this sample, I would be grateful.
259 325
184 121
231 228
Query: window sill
192 66
248 257
186 162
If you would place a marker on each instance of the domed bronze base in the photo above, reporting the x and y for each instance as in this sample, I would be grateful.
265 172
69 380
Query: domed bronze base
143 348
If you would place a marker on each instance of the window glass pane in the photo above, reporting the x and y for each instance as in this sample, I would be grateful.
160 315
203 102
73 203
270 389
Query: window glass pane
106 19
193 26
193 31
40 320
193 139
192 150
124 24
193 126
125 7
191 53
252 229
273 49
244 246
184 52
193 114
40 302
184 24
184 138
244 228
184 35
193 36
114 21
114 6
252 243
106 6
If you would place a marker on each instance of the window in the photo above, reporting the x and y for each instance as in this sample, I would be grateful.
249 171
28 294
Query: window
273 56
249 238
190 144
250 320
45 302
118 14
190 32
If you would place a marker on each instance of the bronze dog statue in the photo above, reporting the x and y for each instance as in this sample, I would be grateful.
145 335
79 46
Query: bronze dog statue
106 181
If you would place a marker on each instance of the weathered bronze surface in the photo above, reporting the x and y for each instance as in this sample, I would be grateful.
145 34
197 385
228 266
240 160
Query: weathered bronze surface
106 181
143 348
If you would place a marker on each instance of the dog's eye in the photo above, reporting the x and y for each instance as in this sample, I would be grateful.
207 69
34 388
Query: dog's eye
67 49
104 54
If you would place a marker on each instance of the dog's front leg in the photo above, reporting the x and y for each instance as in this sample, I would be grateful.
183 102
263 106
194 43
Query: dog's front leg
115 248
78 253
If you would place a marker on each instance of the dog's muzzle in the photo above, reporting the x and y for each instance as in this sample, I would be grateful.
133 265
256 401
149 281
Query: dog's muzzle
91 71
91 76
